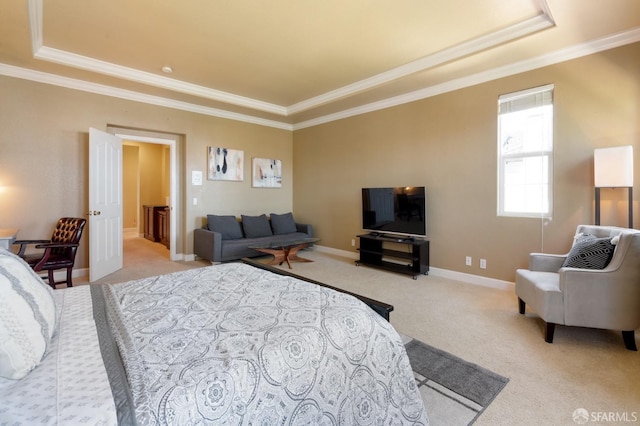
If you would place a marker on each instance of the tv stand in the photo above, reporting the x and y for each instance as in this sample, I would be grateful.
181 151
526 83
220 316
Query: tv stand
382 251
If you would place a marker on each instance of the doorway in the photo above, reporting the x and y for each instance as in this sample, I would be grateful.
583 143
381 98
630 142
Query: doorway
146 190
151 180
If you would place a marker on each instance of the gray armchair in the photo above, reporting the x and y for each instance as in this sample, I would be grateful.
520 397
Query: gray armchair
607 298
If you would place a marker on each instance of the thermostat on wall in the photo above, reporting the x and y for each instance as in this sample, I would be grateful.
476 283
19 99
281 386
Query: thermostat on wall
196 177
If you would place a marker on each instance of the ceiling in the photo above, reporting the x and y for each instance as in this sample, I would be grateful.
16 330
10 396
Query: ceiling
292 64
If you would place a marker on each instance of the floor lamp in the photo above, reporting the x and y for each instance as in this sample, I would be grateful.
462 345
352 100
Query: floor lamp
613 168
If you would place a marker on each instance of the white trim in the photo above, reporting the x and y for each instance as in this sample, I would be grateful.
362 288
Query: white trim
106 68
70 83
472 279
436 272
35 24
521 29
588 48
470 47
542 21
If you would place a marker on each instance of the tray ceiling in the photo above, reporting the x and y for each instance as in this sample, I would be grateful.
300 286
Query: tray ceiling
296 63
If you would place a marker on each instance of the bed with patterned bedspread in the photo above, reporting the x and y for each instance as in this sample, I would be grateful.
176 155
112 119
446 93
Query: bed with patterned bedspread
226 344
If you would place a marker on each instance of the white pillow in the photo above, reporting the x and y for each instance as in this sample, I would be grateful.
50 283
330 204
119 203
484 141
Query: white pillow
27 317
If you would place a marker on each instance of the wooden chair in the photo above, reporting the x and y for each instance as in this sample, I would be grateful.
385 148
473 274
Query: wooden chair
59 252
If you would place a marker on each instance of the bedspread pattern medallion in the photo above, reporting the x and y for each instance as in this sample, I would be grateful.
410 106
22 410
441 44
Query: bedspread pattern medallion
232 344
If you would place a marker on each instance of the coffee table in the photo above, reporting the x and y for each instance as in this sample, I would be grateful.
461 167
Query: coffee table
285 250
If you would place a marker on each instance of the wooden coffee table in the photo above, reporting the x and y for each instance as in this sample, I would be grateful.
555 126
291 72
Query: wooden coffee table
285 250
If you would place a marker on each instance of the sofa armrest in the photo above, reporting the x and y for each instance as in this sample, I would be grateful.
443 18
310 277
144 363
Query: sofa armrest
546 262
305 228
207 244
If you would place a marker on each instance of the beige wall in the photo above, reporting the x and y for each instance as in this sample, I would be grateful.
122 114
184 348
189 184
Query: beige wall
44 158
448 143
130 176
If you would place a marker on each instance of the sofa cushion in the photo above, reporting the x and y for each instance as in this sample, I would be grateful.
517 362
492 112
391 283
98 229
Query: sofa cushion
256 226
589 252
283 223
27 317
228 226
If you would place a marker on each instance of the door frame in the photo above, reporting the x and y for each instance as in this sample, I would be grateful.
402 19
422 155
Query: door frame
173 183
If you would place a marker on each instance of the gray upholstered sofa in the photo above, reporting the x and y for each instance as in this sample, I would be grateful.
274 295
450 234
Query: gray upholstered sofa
224 238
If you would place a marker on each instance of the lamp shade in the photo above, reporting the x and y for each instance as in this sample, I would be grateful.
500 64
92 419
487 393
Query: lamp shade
613 167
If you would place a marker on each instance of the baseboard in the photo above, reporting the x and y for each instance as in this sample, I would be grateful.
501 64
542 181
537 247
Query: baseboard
472 279
436 272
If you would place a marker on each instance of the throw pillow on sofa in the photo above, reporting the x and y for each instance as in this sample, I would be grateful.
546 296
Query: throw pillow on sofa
256 226
228 226
283 223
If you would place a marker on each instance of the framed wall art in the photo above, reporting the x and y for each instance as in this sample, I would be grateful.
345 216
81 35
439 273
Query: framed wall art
267 173
225 164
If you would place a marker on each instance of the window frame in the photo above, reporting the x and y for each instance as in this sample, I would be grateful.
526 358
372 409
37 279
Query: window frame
534 98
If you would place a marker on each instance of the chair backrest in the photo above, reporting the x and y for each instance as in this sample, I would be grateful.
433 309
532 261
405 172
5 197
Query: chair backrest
68 230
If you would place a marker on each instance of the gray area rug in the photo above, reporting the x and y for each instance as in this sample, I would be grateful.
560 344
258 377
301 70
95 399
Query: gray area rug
454 391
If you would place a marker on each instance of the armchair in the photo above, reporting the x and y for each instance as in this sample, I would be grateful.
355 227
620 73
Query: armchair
59 252
607 298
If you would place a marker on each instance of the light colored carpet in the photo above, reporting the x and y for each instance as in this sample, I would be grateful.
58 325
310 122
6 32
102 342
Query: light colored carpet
583 368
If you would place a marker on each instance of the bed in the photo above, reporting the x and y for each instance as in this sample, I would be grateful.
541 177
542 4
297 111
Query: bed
225 344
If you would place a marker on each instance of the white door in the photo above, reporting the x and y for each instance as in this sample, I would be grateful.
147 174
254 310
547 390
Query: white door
105 204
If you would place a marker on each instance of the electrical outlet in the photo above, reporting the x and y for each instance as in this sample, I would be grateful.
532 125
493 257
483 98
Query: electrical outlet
483 263
353 242
468 261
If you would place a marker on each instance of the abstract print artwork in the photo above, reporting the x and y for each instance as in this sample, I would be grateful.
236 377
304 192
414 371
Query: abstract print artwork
225 164
267 173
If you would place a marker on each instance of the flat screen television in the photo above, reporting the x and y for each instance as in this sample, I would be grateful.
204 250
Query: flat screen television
400 210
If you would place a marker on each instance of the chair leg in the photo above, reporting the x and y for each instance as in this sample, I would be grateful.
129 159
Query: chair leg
52 281
521 306
69 282
550 328
629 340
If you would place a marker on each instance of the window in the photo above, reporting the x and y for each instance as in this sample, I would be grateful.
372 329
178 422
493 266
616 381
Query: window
525 153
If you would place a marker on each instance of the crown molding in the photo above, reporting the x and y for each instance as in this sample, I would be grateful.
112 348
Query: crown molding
470 47
40 51
95 65
594 46
35 24
453 53
540 22
588 48
100 89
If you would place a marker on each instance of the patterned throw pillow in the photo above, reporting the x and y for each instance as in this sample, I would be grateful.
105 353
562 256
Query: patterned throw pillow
589 252
27 317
